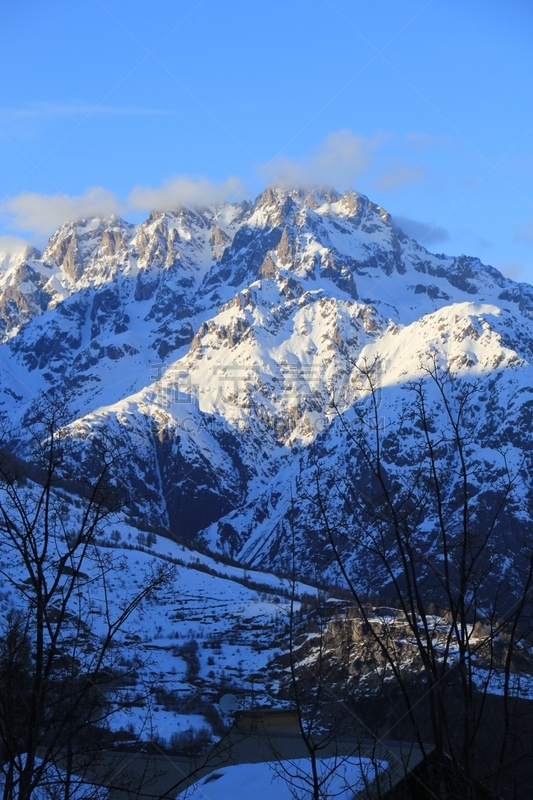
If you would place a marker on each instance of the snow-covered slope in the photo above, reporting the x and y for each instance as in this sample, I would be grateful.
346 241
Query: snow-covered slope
205 624
225 346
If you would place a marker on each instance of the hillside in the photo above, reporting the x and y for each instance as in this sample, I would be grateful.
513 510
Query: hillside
225 347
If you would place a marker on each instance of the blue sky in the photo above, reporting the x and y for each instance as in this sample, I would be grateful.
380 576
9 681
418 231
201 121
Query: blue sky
110 106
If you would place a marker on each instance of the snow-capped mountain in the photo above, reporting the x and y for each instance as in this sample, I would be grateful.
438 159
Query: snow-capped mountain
225 347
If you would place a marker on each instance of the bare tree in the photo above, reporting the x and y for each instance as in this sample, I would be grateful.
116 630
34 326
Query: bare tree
57 677
433 533
317 661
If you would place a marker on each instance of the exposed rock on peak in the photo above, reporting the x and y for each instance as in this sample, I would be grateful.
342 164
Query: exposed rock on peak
224 343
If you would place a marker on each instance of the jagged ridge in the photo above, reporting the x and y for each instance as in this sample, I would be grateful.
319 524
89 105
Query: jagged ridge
223 343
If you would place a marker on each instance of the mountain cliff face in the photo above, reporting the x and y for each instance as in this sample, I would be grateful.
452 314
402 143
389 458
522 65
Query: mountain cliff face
225 347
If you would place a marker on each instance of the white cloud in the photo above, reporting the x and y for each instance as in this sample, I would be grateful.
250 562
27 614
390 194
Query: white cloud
41 213
183 191
12 246
400 177
340 159
423 232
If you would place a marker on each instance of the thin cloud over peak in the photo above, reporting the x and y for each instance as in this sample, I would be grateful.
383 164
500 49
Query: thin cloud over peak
338 161
41 213
12 246
514 270
181 190
400 177
423 232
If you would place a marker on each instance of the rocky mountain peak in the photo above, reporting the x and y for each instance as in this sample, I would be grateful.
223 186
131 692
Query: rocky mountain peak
226 354
224 343
76 244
